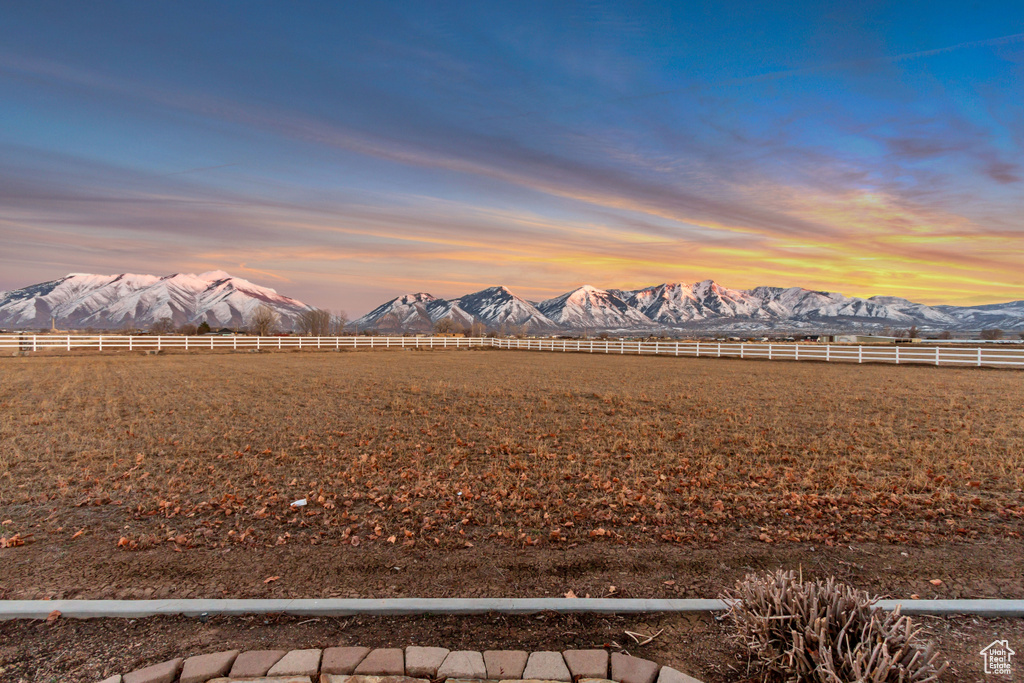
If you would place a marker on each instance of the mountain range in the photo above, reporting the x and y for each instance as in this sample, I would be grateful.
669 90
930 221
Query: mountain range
80 301
702 306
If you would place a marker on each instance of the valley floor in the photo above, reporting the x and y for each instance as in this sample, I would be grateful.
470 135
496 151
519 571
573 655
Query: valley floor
502 473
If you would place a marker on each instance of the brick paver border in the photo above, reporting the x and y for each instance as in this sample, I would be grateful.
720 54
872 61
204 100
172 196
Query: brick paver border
395 665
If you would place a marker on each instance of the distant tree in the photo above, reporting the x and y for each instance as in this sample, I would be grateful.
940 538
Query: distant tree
445 326
945 334
1021 335
204 328
913 332
993 333
188 329
162 326
477 329
314 322
263 321
339 319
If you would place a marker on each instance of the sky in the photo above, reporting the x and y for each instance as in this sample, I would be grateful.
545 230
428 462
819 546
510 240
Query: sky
347 153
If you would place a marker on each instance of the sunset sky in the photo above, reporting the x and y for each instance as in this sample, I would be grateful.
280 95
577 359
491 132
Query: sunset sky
347 152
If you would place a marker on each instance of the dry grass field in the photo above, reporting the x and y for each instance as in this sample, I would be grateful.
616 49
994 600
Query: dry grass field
502 473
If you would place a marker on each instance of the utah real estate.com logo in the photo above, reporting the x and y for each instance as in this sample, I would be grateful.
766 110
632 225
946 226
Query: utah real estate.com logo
997 658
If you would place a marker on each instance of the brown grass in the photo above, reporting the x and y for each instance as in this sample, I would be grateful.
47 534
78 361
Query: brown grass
449 448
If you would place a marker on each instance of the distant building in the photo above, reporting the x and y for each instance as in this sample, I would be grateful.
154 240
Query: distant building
867 339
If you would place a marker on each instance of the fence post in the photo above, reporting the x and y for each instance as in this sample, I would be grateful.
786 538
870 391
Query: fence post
796 351
936 355
186 343
99 339
769 351
234 342
897 354
979 356
860 354
828 353
719 349
698 349
741 349
279 343
69 342
211 343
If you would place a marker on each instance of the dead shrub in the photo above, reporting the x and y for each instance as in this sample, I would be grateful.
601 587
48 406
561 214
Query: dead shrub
827 632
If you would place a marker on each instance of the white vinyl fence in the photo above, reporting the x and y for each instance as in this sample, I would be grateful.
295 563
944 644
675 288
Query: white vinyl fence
973 356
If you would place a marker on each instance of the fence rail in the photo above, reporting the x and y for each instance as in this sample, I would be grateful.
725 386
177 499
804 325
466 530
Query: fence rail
980 356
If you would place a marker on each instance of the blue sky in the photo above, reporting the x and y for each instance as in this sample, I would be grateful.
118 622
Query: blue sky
345 153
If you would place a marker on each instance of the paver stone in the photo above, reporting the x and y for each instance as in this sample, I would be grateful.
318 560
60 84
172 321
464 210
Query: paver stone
255 663
297 663
423 662
462 664
341 678
669 675
342 660
626 669
116 678
587 663
387 661
548 666
505 664
202 668
164 672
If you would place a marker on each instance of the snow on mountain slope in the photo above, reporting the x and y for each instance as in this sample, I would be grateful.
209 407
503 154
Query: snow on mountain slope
498 306
414 312
82 300
590 307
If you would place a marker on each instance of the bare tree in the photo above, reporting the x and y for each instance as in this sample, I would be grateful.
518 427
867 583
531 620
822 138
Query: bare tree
314 322
188 329
444 326
994 333
162 326
263 321
945 334
339 319
477 329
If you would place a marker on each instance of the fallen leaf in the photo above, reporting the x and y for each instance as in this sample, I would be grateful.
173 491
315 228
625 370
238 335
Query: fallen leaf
570 594
669 583
122 542
936 582
392 539
271 579
54 616
77 534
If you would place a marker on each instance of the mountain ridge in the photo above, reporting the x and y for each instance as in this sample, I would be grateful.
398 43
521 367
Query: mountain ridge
84 300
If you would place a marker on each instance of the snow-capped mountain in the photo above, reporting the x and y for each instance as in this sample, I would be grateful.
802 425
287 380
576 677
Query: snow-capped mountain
498 306
414 312
590 307
82 300
706 306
